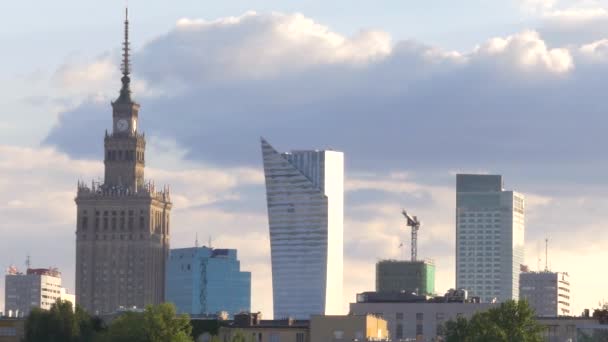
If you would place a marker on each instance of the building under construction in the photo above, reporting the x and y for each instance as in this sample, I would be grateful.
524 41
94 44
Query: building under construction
405 276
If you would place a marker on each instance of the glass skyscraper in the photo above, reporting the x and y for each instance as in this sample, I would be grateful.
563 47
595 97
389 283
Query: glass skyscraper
305 198
489 237
203 280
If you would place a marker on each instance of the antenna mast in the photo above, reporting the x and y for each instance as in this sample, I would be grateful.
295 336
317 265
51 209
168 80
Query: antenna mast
546 255
414 223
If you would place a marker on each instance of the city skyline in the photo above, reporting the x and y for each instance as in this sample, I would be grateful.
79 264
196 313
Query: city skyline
555 158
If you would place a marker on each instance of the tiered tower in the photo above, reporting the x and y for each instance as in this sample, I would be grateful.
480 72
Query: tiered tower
122 236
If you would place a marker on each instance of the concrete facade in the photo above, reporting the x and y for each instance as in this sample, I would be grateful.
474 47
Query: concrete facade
405 276
37 288
305 200
548 293
12 329
419 321
203 280
122 232
489 237
348 328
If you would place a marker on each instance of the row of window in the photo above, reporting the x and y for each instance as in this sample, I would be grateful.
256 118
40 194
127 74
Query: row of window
126 155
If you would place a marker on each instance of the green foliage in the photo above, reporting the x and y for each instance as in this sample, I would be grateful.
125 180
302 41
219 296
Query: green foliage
510 322
238 337
61 324
156 324
215 339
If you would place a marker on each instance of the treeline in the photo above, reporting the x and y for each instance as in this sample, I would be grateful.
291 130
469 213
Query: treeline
64 324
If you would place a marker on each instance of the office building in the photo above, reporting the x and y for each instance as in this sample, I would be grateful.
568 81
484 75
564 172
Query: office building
405 276
122 232
305 196
207 281
489 237
416 317
547 292
37 288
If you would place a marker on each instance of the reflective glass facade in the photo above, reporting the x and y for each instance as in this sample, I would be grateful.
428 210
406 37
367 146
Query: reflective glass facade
204 280
305 198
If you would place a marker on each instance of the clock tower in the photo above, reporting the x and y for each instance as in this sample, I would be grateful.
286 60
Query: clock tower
122 230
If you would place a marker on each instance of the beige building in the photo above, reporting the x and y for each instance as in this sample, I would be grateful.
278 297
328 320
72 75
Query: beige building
417 318
122 234
348 328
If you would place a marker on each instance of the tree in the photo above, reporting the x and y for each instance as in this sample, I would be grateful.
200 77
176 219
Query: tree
215 339
156 324
61 324
238 337
510 322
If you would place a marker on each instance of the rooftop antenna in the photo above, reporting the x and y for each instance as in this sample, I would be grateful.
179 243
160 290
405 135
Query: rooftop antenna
210 242
28 262
196 241
546 255
412 221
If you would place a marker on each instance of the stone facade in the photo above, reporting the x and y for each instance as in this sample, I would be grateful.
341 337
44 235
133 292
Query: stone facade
122 234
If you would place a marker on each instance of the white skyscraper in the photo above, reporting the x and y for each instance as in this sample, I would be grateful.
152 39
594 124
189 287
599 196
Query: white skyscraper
489 237
305 198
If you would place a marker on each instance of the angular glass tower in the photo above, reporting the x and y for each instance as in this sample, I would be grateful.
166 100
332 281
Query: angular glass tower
203 280
305 198
489 237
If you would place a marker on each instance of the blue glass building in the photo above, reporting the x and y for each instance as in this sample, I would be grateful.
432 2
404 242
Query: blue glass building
204 280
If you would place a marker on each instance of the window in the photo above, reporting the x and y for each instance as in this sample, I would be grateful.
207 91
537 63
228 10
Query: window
419 330
300 337
274 337
399 316
419 316
399 333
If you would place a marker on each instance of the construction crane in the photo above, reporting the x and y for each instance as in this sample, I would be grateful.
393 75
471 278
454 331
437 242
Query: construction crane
412 221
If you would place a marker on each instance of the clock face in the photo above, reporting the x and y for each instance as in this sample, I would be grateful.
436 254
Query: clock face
122 125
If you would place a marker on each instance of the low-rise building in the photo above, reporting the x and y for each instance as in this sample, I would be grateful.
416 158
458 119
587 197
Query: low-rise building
37 288
255 329
348 328
12 329
415 317
573 329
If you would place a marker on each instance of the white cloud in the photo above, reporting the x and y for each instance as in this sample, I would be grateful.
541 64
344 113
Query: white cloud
527 51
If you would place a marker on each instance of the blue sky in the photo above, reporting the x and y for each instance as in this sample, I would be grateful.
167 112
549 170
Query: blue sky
411 92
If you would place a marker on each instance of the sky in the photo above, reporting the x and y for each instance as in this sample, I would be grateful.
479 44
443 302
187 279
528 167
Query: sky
411 92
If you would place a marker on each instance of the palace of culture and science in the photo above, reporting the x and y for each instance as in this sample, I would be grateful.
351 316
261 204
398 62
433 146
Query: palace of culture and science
122 237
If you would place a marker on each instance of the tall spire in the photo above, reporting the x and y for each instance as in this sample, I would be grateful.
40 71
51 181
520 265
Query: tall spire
125 91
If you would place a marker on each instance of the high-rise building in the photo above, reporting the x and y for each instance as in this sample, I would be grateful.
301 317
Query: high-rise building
37 288
203 280
489 237
405 276
547 292
122 236
305 198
